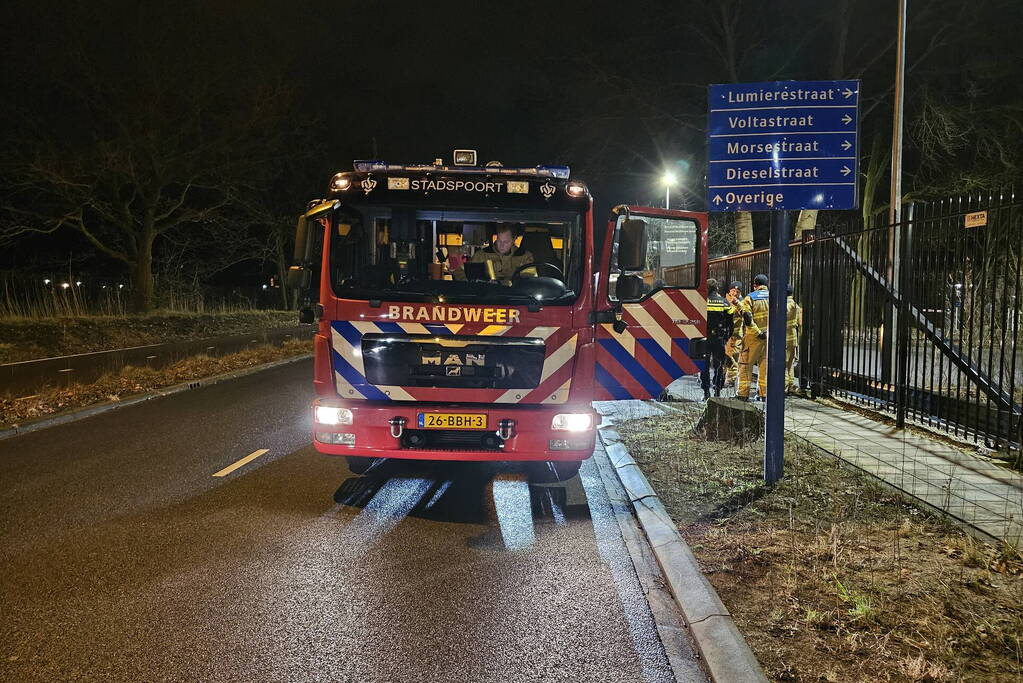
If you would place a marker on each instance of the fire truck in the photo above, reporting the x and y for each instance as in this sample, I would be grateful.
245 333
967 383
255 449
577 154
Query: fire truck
472 311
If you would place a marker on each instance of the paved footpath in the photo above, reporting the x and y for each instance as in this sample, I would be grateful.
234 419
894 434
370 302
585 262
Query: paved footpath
969 488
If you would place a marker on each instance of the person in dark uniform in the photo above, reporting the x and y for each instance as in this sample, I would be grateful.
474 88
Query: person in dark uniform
719 329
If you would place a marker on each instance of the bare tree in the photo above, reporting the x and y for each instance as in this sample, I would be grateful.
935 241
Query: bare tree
128 152
156 164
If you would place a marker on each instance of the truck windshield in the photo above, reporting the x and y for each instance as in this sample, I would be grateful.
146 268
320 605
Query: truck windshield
410 253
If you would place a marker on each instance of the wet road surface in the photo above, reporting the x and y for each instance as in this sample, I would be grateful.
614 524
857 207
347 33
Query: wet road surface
124 558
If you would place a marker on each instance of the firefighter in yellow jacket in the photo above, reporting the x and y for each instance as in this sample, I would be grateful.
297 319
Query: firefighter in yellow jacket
734 344
754 340
793 328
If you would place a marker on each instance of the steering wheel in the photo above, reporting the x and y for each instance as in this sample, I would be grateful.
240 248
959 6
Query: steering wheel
559 275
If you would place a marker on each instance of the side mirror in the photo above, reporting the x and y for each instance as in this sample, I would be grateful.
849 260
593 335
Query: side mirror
306 315
302 242
632 245
298 277
629 287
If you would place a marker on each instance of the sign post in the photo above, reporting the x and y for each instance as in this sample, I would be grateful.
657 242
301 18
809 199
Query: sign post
778 147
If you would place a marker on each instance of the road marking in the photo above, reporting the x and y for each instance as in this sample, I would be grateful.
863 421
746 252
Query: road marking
244 461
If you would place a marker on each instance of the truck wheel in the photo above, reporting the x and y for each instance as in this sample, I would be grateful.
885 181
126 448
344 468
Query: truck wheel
553 471
358 464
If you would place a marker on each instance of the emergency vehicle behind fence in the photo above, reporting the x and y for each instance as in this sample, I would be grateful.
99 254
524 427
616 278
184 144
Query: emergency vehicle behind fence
422 352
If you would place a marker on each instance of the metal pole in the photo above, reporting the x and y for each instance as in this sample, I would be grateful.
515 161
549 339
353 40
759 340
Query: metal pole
895 207
888 360
667 196
774 433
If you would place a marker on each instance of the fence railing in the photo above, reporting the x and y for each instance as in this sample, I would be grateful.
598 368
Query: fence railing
54 296
920 319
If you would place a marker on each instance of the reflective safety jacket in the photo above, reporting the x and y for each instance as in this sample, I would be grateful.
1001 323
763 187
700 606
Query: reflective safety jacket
719 317
755 310
793 321
735 310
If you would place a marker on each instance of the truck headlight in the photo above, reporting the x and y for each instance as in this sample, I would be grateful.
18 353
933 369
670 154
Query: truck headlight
332 415
572 422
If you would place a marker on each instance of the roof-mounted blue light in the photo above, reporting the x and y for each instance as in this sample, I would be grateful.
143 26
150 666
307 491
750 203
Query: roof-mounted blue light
367 166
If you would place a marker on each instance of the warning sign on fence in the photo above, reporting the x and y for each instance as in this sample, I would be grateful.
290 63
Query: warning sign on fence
976 220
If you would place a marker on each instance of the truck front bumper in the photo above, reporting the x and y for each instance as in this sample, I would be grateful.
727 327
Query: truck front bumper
512 433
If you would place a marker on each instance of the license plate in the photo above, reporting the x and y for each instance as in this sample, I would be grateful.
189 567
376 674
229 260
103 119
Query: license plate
452 420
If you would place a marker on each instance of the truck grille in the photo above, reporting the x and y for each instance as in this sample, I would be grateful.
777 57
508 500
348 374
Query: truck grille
453 440
453 361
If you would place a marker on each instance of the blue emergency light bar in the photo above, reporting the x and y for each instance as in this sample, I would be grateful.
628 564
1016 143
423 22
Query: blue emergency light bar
365 166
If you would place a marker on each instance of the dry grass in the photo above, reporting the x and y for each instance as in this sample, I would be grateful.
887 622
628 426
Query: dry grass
830 576
29 338
134 380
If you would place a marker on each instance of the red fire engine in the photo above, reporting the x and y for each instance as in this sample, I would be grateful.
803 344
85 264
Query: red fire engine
471 312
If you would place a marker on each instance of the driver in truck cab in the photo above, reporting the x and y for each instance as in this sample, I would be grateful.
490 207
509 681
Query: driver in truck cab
502 255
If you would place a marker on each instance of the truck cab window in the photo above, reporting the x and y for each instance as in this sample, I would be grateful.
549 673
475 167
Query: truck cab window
671 255
471 255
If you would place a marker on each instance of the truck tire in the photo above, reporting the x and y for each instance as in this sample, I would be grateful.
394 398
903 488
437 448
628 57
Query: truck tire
553 471
358 464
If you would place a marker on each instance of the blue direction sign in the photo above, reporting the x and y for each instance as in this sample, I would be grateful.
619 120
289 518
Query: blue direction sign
783 145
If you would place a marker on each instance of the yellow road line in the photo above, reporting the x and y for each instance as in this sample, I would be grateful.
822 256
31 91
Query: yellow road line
244 461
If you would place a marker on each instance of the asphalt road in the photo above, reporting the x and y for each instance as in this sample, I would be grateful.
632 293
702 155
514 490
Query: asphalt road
123 558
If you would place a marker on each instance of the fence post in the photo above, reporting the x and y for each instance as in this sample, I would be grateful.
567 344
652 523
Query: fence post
813 281
806 303
904 340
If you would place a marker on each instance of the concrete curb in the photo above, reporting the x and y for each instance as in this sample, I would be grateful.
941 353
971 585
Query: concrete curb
725 652
89 411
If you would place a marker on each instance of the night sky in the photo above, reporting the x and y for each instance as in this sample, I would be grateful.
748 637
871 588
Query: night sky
616 90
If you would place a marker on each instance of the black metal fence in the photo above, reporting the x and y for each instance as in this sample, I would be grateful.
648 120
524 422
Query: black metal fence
920 319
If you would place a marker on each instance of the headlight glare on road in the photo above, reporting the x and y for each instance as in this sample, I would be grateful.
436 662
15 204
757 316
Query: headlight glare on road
332 415
572 422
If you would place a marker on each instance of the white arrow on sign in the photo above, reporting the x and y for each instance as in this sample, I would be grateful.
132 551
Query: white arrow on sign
846 145
846 170
848 93
847 119
717 199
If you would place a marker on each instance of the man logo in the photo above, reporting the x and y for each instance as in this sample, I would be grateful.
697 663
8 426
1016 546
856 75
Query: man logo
454 359
453 371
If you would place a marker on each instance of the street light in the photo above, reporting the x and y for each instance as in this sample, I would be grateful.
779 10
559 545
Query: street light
668 179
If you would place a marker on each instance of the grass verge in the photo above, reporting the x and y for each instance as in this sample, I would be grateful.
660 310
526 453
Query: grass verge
135 380
830 576
31 338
